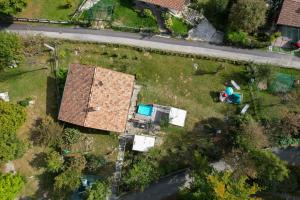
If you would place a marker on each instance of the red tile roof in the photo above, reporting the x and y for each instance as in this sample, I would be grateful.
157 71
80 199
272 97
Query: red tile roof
97 98
290 13
171 4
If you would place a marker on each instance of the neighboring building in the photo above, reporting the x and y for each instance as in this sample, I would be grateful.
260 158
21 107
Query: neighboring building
176 7
96 98
289 20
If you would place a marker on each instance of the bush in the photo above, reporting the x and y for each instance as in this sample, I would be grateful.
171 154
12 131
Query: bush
242 39
12 116
71 136
11 49
10 186
94 163
25 102
99 191
148 13
67 182
54 162
48 133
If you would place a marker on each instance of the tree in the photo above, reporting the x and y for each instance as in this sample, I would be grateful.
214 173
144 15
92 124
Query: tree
290 124
54 162
71 136
48 132
67 182
12 116
252 135
94 163
99 191
219 186
10 148
271 170
12 6
10 186
141 175
11 49
247 15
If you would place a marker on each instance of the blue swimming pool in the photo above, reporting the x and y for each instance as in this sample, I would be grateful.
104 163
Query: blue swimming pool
145 110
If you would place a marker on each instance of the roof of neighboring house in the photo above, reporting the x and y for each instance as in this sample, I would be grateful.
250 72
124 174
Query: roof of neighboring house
171 4
96 97
290 13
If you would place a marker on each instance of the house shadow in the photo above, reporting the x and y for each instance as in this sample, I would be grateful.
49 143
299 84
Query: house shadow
52 98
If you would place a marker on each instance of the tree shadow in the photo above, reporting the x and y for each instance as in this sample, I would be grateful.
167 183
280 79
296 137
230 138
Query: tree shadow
5 21
239 77
39 160
12 74
214 95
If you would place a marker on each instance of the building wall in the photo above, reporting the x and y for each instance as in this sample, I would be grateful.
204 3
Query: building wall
293 33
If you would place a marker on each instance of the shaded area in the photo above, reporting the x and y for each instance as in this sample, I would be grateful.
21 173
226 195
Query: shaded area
290 155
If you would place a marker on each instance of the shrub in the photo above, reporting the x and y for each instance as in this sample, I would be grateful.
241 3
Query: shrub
71 136
12 7
12 116
25 102
242 39
69 3
141 175
290 124
67 182
94 163
99 191
148 13
10 186
54 162
48 132
11 49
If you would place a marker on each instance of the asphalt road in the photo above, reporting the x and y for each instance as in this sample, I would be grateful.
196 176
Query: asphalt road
157 42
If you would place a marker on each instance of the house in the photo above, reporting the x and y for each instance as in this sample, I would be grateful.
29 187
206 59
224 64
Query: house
176 7
97 98
289 20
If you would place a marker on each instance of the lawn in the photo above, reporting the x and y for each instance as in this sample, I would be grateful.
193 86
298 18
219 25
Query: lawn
179 27
126 15
49 9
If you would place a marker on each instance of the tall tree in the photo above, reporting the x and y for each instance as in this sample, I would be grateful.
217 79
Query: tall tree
247 15
12 6
10 186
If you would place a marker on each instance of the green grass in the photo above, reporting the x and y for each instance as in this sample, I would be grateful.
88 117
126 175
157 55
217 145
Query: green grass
126 15
49 9
171 80
179 27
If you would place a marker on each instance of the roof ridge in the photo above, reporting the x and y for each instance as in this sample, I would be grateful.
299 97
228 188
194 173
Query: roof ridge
90 97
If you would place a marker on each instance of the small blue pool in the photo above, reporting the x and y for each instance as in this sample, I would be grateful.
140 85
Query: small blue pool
145 109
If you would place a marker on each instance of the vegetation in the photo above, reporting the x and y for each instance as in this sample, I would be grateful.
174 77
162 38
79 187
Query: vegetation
10 186
177 26
11 50
50 9
54 162
247 15
48 132
94 162
12 6
208 184
12 116
99 191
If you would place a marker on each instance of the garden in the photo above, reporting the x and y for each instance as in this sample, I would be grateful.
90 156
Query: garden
50 9
52 150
